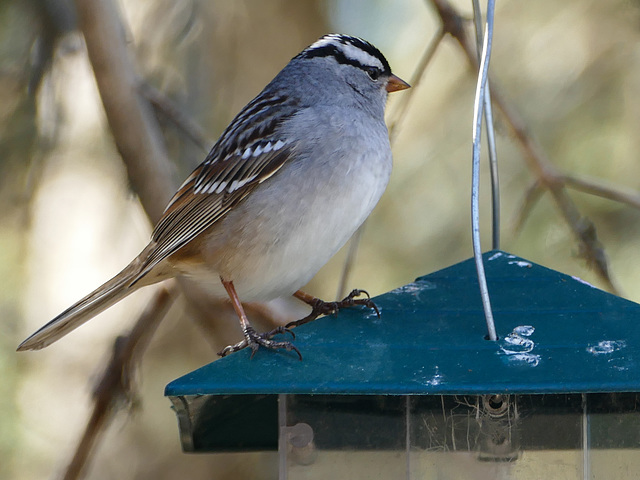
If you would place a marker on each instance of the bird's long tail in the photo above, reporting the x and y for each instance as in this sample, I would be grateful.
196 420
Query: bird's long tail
120 286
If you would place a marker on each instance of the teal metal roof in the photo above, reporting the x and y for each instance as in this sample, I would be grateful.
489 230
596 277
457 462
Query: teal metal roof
557 334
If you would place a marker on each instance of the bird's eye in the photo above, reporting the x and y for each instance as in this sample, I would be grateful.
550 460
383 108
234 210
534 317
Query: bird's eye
373 72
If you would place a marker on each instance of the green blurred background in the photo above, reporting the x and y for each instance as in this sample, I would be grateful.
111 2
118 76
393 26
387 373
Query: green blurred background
68 219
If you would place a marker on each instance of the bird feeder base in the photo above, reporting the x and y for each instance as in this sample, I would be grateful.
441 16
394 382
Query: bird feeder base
420 393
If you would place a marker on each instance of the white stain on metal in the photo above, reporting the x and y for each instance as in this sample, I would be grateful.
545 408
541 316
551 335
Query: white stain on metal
436 379
528 358
520 263
433 380
518 348
409 288
524 330
606 347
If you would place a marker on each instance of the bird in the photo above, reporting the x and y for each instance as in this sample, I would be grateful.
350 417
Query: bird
285 186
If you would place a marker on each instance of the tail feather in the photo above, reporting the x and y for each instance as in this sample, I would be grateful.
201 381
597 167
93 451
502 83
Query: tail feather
120 286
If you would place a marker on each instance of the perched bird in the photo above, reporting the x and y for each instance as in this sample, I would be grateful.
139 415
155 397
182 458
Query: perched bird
284 187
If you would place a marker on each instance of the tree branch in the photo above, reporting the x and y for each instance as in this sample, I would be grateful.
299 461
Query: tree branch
583 229
139 140
166 107
599 189
114 387
134 128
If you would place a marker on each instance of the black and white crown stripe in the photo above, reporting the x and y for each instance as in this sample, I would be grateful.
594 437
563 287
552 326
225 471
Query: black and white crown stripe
348 50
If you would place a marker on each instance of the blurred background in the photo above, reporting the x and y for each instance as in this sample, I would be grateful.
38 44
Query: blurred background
69 219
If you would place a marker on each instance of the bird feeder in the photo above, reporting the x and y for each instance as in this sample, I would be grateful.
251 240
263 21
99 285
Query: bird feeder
421 394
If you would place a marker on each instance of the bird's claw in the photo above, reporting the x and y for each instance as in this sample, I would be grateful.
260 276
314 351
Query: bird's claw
320 307
255 340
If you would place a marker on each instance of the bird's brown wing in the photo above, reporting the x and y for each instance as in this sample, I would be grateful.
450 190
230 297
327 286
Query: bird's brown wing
208 194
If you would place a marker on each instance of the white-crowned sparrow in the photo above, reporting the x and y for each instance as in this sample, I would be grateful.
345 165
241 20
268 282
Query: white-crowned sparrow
285 186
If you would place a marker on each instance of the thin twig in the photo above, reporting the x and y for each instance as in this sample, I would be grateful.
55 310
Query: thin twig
548 176
114 387
400 112
594 187
583 229
170 110
591 186
349 262
531 197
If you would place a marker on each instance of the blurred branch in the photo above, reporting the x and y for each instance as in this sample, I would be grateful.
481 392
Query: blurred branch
590 186
139 140
583 229
114 388
594 187
349 262
57 19
405 100
134 128
170 110
128 104
531 197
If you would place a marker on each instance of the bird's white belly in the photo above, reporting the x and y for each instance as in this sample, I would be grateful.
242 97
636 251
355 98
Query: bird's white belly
297 225
275 240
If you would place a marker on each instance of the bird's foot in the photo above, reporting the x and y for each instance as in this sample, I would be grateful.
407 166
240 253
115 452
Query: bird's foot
255 340
320 307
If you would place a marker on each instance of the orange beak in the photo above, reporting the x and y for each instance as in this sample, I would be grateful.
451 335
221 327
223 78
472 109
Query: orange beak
396 84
